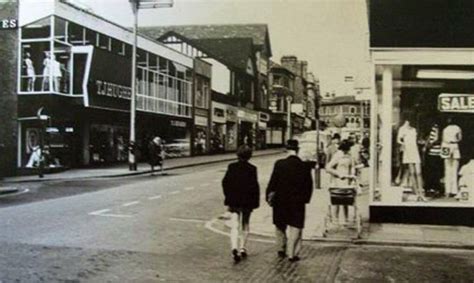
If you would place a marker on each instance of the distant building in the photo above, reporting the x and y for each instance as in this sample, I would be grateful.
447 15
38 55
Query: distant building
346 115
239 55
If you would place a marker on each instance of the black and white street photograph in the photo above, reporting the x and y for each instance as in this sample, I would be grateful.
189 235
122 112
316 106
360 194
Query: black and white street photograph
236 141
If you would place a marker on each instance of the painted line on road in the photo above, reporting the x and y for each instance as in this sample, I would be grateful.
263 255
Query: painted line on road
114 215
102 212
155 197
188 220
97 212
174 192
189 188
209 226
205 185
216 180
131 203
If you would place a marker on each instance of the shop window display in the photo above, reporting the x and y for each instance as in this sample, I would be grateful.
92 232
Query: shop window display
430 145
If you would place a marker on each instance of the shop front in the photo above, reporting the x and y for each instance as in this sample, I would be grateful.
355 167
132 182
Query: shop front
219 129
276 130
424 165
422 113
201 131
65 74
231 128
263 119
248 120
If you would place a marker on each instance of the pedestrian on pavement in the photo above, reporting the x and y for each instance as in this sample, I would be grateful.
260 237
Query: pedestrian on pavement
242 195
156 154
289 190
333 147
342 168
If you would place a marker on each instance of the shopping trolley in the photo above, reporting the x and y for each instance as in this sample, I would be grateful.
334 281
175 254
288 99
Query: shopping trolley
344 196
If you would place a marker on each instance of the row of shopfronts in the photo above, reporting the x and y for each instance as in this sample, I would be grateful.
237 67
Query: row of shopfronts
73 95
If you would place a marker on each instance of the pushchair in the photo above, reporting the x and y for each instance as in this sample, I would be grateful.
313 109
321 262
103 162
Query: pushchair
344 196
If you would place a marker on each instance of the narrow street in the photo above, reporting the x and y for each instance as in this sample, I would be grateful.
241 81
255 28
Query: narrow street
153 228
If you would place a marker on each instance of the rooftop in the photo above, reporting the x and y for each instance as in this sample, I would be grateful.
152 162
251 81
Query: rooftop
257 32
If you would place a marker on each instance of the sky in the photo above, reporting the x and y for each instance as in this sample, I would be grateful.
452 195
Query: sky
330 34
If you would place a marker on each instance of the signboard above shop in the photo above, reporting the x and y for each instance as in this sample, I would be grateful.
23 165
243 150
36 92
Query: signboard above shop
456 102
8 24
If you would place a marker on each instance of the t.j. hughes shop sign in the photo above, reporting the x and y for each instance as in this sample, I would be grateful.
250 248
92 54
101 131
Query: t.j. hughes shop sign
109 84
456 102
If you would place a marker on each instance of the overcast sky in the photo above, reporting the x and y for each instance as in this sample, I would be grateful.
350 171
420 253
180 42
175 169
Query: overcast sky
330 34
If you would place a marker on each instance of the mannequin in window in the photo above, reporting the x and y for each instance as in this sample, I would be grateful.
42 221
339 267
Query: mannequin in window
46 71
408 139
433 164
30 72
451 154
57 73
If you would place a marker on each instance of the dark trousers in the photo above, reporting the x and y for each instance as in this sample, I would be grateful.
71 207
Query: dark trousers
432 174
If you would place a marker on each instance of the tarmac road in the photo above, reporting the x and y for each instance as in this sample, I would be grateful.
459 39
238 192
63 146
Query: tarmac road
152 229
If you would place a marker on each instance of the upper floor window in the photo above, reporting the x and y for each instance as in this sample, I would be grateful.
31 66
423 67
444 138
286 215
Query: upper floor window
37 30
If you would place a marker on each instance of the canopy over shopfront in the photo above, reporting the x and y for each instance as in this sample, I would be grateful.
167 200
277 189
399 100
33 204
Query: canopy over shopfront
422 111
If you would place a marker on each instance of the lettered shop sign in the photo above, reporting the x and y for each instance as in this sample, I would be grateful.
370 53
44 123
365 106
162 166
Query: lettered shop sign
8 23
456 102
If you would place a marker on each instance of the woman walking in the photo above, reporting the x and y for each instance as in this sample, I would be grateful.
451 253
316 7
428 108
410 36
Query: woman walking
343 169
156 154
242 195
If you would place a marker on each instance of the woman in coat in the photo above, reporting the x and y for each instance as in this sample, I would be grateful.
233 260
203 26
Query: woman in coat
242 195
156 154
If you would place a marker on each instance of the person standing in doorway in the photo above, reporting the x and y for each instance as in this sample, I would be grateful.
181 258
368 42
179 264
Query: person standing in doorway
289 190
242 195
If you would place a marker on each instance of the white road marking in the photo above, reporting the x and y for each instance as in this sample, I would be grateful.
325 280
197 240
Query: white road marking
131 203
174 192
155 197
188 220
209 224
205 185
102 212
99 211
114 215
189 188
216 180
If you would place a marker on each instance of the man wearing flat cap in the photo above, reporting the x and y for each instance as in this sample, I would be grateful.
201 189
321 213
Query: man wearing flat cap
289 190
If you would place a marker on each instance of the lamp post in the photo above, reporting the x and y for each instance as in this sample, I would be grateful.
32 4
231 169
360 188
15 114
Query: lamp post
136 6
288 116
317 173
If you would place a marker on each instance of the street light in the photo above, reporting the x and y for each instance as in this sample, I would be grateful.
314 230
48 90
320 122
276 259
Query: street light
288 116
137 5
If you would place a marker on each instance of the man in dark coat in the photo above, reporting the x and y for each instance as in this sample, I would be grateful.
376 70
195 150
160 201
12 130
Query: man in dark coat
242 195
289 190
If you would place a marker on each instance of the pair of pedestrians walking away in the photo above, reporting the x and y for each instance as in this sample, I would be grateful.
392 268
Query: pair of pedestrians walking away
288 192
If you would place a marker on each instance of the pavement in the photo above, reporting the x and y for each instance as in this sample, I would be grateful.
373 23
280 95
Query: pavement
434 236
261 221
148 228
122 170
